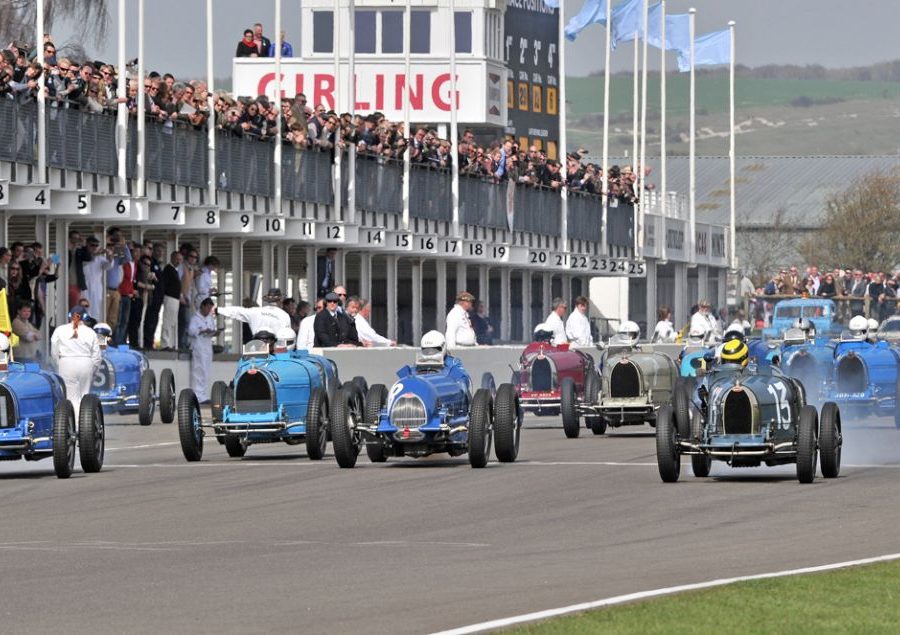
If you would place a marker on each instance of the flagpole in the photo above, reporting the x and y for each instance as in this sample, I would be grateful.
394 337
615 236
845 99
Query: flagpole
41 97
121 108
635 101
732 261
336 37
351 97
141 184
562 154
642 203
605 199
692 184
276 156
407 157
454 133
662 126
210 105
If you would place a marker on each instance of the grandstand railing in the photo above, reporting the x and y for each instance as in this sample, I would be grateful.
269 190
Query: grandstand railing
176 152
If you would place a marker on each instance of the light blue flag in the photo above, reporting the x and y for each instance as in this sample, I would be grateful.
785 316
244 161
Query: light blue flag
678 30
709 50
592 12
627 22
553 4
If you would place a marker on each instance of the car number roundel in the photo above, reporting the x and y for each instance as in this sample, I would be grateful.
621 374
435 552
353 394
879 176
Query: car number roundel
396 389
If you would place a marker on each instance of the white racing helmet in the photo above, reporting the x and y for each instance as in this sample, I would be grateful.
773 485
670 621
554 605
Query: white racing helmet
285 339
543 333
872 332
4 343
629 330
858 326
432 349
697 335
104 332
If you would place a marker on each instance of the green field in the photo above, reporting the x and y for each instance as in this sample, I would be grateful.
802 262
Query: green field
585 94
856 600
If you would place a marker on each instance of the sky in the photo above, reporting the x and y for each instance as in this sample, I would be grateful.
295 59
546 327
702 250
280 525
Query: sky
833 33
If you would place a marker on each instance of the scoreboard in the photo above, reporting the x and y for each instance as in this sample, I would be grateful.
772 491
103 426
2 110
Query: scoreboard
532 85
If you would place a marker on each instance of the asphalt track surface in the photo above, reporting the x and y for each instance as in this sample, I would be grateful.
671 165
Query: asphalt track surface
274 541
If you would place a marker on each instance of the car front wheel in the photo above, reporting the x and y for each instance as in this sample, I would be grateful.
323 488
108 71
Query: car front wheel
568 408
806 444
830 440
344 438
668 456
480 416
507 424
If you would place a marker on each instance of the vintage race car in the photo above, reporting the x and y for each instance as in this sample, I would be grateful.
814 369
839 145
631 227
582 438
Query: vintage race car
428 410
864 378
747 417
125 384
889 330
274 397
542 368
808 360
38 422
821 312
635 382
764 352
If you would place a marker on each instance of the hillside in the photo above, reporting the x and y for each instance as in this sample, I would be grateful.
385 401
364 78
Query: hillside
774 116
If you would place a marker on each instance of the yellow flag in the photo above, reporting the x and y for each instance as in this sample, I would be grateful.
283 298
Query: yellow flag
5 321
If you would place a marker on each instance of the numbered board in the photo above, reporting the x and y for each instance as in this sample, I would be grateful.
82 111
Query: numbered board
474 250
374 237
109 207
27 197
4 193
602 266
337 233
539 258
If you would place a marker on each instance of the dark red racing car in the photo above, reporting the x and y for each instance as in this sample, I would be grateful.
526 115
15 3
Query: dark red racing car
542 367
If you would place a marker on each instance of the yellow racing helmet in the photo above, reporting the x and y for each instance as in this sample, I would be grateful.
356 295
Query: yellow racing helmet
735 352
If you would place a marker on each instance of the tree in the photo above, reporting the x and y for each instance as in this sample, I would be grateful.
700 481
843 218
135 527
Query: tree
89 17
862 225
762 250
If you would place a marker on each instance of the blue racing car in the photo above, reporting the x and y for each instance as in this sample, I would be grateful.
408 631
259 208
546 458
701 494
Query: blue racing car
38 422
278 395
428 410
125 384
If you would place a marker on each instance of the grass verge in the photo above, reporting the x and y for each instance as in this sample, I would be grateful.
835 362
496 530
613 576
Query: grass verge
856 600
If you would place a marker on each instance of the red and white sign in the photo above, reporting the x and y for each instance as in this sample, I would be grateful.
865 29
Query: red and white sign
480 93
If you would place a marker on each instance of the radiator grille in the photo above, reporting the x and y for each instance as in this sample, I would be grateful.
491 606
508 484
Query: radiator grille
542 375
624 380
737 416
253 394
7 408
851 375
408 412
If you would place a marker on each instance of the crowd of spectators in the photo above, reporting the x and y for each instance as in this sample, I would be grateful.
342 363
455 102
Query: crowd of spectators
92 86
878 289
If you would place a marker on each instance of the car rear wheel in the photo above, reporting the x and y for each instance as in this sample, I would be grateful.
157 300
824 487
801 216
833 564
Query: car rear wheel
487 381
568 408
344 438
360 382
91 434
317 424
234 446
63 438
700 463
830 440
189 431
217 400
167 404
668 456
507 423
480 415
375 400
681 404
147 396
806 444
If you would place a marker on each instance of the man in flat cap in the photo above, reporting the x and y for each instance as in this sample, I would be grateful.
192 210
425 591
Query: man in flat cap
459 327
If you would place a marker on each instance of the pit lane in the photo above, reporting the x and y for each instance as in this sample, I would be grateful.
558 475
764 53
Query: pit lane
274 541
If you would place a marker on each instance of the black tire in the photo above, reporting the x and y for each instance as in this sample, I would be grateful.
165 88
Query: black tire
507 423
234 447
375 400
217 400
480 416
668 457
167 404
189 431
316 424
701 464
831 440
568 408
63 438
596 423
361 383
487 381
807 428
227 401
681 404
344 439
91 434
147 396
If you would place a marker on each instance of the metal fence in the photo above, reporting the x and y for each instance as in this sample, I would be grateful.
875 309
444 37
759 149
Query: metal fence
178 153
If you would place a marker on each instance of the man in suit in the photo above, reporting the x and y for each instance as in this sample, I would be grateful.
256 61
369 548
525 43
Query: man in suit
261 41
325 271
333 328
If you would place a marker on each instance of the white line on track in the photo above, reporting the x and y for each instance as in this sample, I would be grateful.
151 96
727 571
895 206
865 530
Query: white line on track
303 463
608 463
145 446
643 595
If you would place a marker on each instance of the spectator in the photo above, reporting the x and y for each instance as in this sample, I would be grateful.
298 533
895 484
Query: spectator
118 253
306 337
459 327
578 326
155 295
17 288
554 321
188 269
143 289
202 329
247 47
325 270
94 267
171 285
360 311
664 332
261 42
29 347
484 330
333 328
126 296
286 49
827 289
203 283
